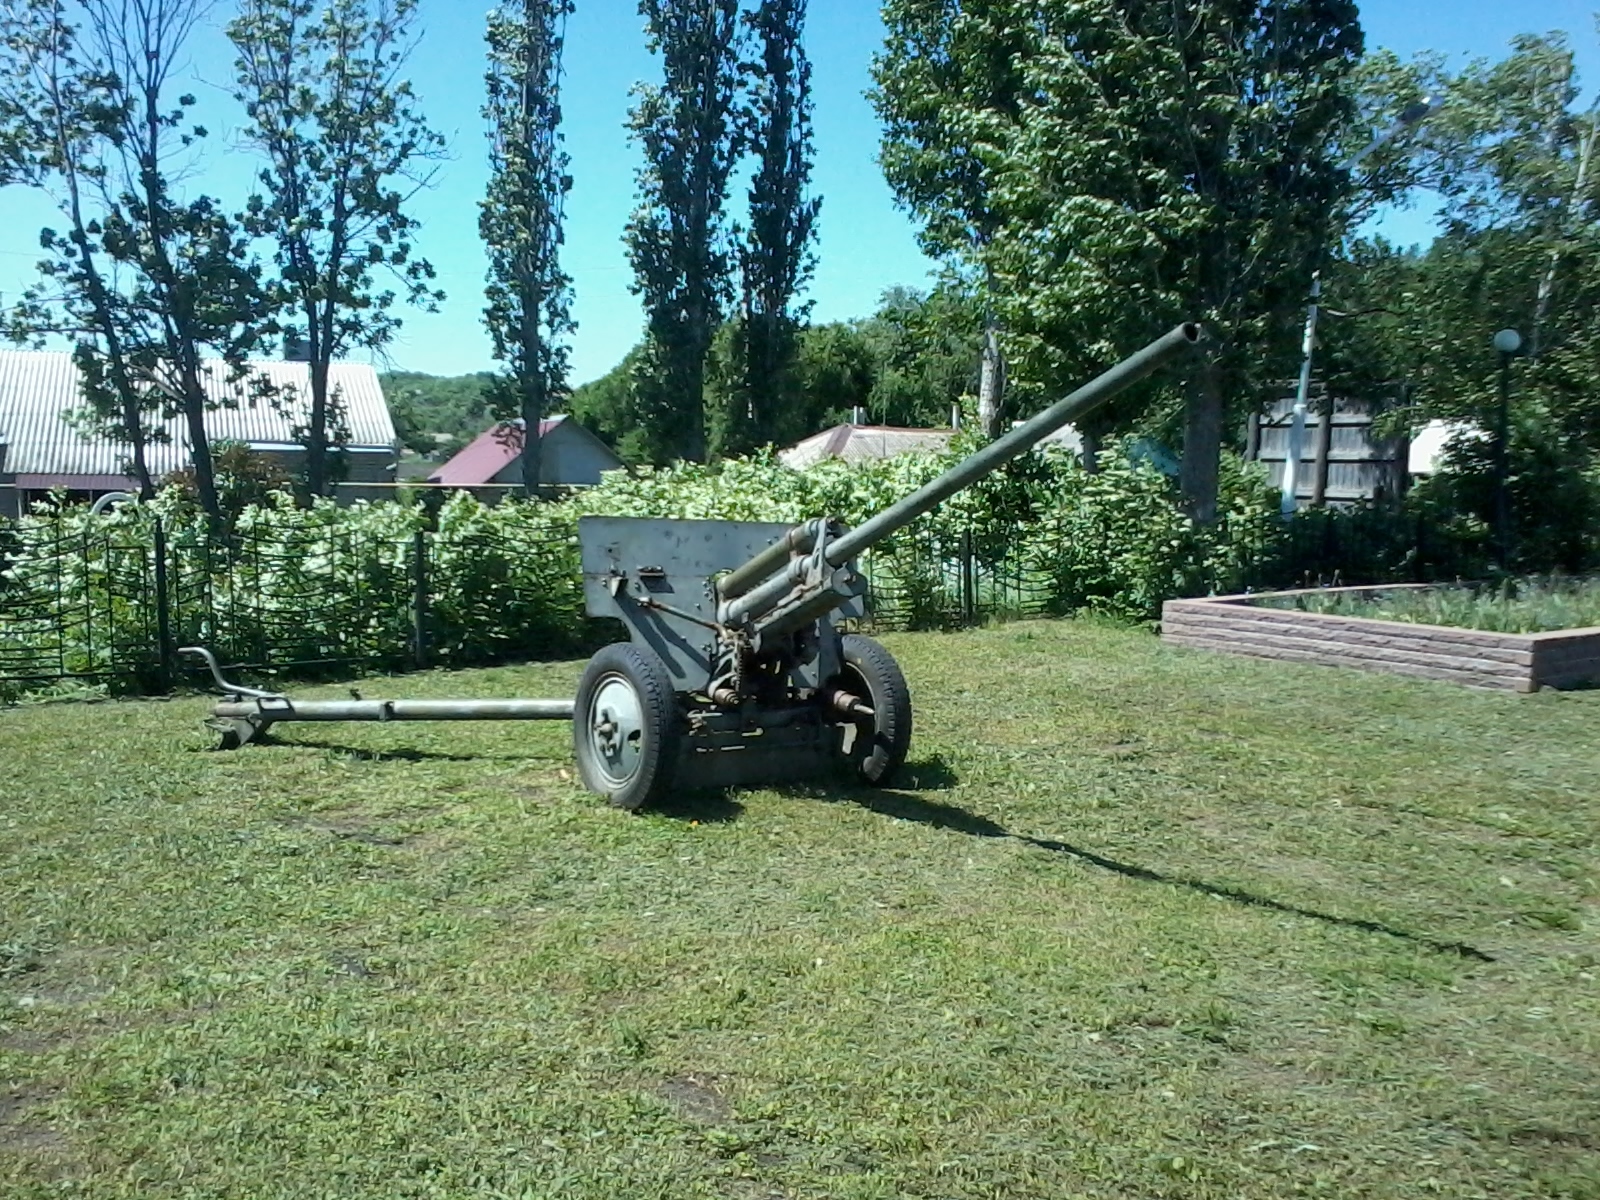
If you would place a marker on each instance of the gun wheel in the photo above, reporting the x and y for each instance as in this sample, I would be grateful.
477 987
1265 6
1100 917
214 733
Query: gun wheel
624 730
877 745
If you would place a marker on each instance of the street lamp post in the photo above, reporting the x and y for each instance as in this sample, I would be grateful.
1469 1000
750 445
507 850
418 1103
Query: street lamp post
1508 342
1413 114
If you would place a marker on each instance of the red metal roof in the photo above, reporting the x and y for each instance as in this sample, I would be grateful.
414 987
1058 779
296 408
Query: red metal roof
491 452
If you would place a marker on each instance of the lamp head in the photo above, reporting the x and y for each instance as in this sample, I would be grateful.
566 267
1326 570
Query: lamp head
1508 341
1412 113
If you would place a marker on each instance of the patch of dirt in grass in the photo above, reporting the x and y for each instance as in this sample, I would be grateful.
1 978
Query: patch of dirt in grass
33 1041
19 1133
355 829
69 978
353 966
1545 1135
695 1098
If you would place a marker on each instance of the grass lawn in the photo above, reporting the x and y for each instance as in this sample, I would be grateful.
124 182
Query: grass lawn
1141 922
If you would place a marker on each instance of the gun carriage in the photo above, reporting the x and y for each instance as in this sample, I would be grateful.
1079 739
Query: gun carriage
736 670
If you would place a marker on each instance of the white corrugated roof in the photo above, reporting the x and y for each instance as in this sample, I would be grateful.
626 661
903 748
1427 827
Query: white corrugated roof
856 443
39 390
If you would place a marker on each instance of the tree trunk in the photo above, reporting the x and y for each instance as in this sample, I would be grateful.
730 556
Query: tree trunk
1323 452
692 351
1089 452
1202 442
531 385
991 380
317 429
1562 224
194 415
133 426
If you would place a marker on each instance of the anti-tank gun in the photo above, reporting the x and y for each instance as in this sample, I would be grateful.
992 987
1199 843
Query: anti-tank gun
736 670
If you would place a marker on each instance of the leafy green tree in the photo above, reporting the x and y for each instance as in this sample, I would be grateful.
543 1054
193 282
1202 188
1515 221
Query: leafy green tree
676 237
1514 156
835 370
1144 163
345 148
920 345
143 281
949 69
777 257
608 407
529 309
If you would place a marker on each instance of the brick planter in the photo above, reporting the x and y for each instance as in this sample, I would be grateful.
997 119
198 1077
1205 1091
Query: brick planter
1519 662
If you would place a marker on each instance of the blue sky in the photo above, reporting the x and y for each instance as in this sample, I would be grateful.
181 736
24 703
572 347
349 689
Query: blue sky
865 247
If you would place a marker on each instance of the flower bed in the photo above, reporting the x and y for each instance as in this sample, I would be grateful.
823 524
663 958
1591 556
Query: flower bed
1254 625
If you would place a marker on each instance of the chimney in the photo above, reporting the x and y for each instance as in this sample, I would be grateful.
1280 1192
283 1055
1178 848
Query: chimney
295 348
955 414
858 415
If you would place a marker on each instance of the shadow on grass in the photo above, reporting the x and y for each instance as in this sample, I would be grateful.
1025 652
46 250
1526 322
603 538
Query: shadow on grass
402 754
907 807
708 808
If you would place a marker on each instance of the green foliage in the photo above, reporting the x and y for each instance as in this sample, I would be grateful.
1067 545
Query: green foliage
437 414
243 478
334 583
608 407
1513 157
1114 169
345 146
520 219
908 364
505 581
675 238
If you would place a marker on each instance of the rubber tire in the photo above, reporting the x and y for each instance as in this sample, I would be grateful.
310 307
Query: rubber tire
883 740
659 727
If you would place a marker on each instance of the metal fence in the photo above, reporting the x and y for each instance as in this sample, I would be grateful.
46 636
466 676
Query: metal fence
110 605
106 605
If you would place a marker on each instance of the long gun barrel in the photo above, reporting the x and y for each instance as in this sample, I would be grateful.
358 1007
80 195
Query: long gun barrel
747 600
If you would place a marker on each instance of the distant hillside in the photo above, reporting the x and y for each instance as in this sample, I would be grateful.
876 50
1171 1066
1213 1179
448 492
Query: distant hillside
435 414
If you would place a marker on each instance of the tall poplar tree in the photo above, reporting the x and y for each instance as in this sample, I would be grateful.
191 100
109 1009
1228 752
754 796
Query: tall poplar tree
677 240
529 296
776 258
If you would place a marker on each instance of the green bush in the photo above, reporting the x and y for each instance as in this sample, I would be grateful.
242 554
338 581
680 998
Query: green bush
330 583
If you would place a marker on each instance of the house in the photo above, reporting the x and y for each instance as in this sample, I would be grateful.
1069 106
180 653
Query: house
858 443
1429 444
43 449
569 456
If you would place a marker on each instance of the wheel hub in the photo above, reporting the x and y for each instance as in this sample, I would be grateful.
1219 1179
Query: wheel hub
616 729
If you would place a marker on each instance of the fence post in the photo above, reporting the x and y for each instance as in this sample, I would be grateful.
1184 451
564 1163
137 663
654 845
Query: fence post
419 599
969 600
163 607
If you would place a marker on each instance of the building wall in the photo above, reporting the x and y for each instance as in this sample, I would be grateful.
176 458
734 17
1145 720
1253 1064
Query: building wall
353 464
568 456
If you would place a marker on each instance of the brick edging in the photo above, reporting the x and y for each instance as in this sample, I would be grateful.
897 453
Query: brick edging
1473 657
